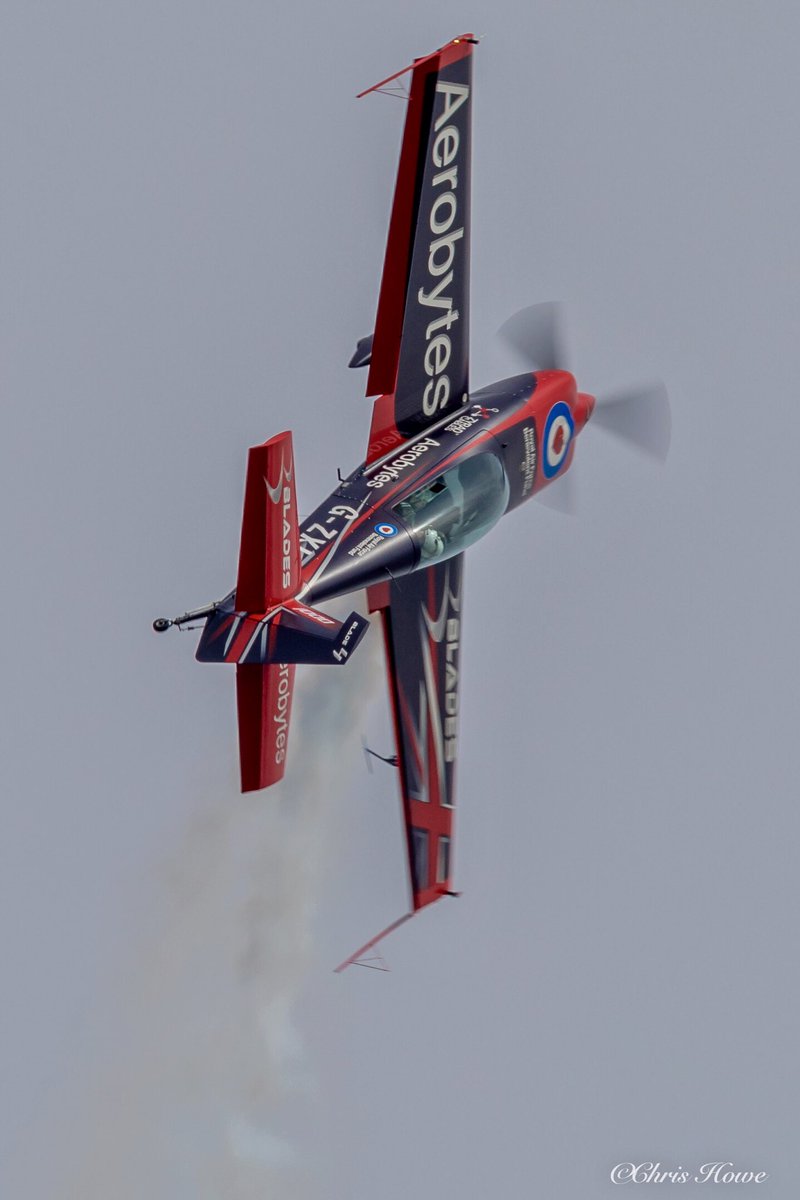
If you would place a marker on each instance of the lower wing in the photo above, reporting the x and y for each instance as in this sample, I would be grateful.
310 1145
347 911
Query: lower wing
421 615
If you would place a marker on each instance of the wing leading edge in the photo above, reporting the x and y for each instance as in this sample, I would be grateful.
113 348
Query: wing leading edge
420 351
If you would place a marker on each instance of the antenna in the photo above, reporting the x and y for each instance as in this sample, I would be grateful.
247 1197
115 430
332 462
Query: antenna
391 760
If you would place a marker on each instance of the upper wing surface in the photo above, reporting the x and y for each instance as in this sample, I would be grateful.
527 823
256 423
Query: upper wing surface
421 616
420 350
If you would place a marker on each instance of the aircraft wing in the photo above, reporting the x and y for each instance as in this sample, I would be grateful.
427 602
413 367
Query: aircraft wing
420 348
421 615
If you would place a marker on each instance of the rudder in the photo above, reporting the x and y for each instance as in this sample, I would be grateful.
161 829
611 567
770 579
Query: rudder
269 551
264 709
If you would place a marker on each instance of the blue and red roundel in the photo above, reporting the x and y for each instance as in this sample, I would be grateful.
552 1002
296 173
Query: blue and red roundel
558 430
386 530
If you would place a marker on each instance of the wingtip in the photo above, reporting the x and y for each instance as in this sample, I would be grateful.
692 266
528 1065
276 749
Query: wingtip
469 38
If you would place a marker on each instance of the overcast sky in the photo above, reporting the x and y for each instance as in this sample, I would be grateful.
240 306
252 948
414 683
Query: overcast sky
194 218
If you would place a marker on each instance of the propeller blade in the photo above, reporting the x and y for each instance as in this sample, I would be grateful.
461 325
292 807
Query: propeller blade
536 335
640 416
561 495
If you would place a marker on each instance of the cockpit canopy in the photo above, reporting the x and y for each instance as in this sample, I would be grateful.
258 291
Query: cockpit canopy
452 511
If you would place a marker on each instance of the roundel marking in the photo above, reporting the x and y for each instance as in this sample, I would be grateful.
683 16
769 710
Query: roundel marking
386 530
558 430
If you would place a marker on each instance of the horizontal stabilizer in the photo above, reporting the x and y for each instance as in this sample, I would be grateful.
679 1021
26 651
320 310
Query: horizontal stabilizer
301 637
290 633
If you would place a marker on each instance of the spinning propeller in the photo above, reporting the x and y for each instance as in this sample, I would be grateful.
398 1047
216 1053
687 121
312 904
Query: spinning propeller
637 415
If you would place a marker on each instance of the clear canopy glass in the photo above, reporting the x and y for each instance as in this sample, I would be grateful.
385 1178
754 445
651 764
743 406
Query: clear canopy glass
458 507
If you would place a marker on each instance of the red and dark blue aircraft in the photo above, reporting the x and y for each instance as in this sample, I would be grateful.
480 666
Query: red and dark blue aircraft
443 464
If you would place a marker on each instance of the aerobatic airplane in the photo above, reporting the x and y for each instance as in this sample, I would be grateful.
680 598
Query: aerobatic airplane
443 464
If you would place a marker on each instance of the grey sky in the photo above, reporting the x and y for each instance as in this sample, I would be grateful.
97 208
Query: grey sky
193 227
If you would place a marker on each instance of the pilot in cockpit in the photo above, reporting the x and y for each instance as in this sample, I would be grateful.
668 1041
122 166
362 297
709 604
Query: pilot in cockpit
448 512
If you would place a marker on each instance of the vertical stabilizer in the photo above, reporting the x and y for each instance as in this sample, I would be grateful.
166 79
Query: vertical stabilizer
264 707
269 573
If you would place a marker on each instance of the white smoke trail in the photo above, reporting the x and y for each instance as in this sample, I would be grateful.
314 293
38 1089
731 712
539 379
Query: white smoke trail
191 1101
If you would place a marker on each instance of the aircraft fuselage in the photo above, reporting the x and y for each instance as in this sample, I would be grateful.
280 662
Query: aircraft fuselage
429 498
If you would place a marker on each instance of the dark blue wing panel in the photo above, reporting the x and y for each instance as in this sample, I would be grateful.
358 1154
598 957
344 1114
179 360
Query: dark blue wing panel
422 615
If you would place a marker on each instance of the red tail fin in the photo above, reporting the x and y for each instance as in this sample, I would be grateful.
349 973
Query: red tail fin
269 552
269 573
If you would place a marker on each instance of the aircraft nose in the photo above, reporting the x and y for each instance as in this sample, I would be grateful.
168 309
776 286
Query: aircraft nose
582 409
